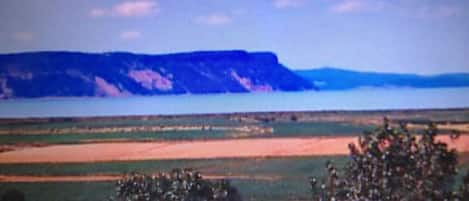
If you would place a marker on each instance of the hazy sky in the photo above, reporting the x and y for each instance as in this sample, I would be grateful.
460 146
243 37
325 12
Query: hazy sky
418 36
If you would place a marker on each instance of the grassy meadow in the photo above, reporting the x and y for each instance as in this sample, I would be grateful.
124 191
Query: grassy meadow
258 179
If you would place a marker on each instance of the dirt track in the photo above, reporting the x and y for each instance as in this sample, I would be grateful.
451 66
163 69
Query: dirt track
235 148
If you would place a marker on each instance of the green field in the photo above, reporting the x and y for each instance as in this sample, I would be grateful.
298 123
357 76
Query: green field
289 176
283 125
293 173
284 167
103 122
282 129
291 184
101 191
134 136
295 129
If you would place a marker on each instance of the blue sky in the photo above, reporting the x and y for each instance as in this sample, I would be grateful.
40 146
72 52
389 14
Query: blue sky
416 36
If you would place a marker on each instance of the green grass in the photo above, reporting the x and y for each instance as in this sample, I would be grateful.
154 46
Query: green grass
214 121
100 191
280 190
293 172
67 191
317 128
293 184
285 167
136 136
223 120
280 130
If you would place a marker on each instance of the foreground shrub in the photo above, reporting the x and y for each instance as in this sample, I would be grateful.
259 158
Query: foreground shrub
177 185
391 164
13 195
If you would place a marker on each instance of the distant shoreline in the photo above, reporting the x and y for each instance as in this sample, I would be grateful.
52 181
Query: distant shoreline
354 100
380 112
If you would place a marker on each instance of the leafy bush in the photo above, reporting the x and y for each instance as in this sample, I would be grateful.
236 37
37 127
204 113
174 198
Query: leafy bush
178 185
391 164
13 195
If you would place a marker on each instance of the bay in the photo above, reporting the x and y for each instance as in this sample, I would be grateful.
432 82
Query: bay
359 99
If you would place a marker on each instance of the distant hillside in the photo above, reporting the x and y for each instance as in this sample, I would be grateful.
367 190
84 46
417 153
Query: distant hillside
340 79
73 74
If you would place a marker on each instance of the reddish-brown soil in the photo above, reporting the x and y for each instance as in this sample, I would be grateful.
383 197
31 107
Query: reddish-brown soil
233 148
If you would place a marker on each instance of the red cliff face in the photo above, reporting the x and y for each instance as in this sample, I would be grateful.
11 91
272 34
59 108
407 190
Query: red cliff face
248 84
104 88
151 79
72 74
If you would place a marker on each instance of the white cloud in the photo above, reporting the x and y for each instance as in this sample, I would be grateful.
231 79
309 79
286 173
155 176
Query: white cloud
23 36
130 35
98 12
137 8
287 3
348 6
404 7
357 6
214 19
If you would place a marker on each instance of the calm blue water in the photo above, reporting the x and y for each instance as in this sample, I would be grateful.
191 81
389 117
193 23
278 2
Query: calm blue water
363 99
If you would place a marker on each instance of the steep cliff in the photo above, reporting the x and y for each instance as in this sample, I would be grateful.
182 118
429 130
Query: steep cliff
73 74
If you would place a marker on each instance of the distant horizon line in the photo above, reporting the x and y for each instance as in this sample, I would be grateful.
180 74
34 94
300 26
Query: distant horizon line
380 72
235 50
